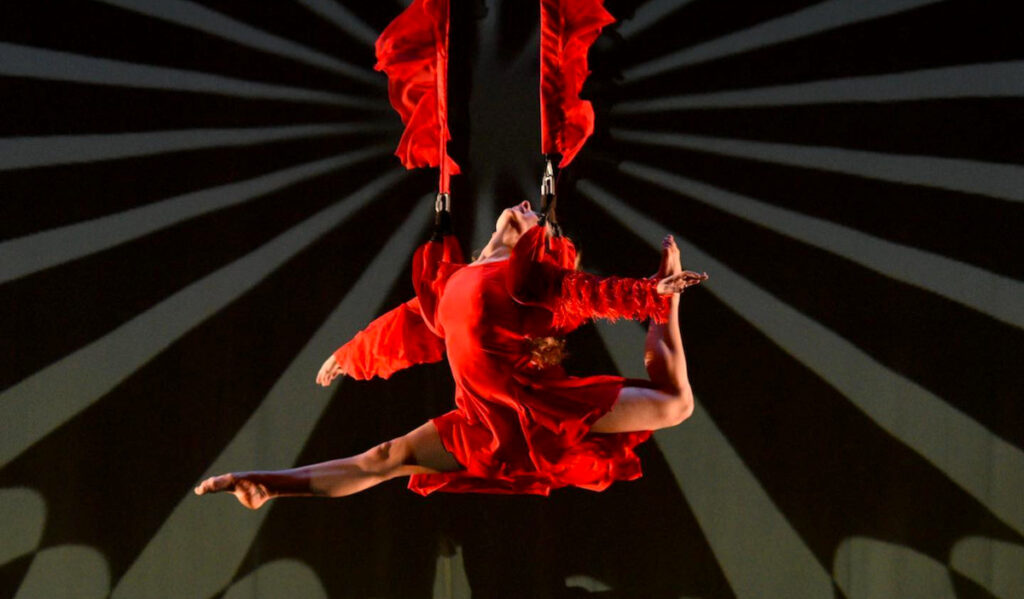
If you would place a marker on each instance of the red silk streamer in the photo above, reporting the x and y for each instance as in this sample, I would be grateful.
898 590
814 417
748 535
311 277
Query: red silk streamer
568 29
413 52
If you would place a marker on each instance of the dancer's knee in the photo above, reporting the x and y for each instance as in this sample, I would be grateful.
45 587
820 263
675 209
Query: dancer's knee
385 459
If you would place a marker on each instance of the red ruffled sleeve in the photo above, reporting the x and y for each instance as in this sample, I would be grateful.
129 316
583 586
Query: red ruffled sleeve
396 340
541 273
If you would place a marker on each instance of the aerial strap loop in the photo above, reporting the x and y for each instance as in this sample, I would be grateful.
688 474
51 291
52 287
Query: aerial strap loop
413 52
567 30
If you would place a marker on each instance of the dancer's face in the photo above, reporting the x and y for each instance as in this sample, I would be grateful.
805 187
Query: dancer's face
515 221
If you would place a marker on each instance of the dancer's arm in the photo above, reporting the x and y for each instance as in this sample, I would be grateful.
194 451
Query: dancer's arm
583 296
541 274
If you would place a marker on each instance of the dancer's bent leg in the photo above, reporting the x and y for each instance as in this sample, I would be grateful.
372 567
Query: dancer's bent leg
418 452
670 401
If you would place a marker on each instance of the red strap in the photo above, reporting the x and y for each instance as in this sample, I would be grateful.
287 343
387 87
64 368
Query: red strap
567 30
413 52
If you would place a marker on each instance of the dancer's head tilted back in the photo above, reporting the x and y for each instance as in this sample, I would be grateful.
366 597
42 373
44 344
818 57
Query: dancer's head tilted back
512 223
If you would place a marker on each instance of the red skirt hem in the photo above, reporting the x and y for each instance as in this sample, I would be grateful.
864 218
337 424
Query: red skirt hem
561 450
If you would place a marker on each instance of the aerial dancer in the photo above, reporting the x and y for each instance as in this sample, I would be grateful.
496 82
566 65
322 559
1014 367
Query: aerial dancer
521 424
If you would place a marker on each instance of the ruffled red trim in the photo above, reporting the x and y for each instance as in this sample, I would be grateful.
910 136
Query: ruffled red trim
568 29
541 273
584 296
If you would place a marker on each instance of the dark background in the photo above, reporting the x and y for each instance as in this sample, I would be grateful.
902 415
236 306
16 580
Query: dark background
198 204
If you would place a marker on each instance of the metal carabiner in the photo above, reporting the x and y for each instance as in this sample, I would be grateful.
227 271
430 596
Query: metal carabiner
547 182
443 203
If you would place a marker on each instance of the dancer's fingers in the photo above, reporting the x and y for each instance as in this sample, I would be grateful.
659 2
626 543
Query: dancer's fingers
327 371
678 282
216 484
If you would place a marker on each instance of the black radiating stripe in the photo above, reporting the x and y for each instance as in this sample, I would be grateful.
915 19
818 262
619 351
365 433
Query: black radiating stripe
295 22
170 419
908 41
44 198
967 588
13 572
927 218
960 355
79 301
700 21
821 460
984 129
518 22
94 29
57 107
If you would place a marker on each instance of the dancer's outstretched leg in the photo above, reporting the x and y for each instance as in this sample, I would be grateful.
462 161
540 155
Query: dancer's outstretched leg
418 452
670 401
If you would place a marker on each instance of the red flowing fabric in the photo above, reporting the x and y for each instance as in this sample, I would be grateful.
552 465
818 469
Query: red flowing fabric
517 427
568 29
413 52
374 353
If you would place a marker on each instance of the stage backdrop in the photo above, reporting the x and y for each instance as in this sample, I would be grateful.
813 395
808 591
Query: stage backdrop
198 204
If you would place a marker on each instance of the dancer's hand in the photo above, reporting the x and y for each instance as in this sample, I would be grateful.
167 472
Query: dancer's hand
678 282
249 493
328 372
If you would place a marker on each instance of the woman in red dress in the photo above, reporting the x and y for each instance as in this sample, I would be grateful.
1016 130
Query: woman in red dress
521 424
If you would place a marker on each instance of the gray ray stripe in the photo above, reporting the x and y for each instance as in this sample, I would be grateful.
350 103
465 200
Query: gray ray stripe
52 150
200 546
759 551
990 563
818 18
1002 79
195 16
1003 181
40 63
998 296
980 462
343 19
45 400
648 14
32 253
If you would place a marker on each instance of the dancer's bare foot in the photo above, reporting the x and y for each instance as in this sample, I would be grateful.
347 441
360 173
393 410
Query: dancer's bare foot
250 494
670 264
673 279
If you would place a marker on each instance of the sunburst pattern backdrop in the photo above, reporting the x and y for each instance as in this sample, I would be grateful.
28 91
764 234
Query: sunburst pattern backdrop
199 203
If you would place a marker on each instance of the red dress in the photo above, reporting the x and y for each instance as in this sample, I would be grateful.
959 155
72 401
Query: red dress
517 427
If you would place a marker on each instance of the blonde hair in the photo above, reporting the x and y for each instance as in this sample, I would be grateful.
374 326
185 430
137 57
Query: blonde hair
546 352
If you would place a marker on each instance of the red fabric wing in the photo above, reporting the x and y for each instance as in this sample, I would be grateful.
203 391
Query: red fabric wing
396 340
413 52
568 29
